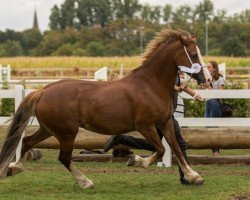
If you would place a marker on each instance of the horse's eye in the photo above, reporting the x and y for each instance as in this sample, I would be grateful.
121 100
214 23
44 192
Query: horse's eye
194 55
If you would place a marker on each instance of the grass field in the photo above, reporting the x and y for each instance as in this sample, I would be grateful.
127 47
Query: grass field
97 62
47 179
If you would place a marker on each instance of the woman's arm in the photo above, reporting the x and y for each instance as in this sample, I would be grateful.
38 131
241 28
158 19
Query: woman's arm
221 87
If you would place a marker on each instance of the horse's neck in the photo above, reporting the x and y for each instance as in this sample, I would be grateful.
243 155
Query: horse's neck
161 68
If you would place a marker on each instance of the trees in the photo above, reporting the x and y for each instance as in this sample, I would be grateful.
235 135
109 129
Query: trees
11 48
145 12
95 12
231 43
204 11
95 49
155 14
30 40
167 13
55 18
125 9
51 41
67 18
182 18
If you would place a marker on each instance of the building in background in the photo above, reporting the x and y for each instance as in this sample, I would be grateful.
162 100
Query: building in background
35 21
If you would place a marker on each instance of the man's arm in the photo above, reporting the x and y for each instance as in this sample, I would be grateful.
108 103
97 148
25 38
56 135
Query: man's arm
190 91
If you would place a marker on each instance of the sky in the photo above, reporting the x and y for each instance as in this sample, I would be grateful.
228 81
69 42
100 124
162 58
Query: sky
18 14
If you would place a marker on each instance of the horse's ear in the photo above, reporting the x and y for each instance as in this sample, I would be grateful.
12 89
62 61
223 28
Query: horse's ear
183 39
194 36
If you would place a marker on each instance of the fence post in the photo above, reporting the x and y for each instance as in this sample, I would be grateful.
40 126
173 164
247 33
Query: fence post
121 70
167 157
19 95
248 99
101 74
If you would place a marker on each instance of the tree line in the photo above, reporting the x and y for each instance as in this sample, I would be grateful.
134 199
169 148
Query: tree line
123 27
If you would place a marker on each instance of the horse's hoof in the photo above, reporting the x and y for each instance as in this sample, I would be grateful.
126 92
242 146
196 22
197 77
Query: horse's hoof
13 170
131 161
198 181
2 176
89 185
86 184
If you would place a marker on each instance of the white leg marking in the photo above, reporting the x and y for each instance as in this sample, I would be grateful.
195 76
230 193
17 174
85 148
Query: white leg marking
83 181
143 162
18 166
193 177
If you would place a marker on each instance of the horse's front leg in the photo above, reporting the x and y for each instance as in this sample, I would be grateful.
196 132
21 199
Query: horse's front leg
154 140
169 134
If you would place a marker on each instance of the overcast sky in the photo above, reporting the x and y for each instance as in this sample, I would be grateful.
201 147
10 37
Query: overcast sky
18 14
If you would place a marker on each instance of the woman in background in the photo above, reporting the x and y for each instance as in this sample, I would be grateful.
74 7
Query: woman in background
213 108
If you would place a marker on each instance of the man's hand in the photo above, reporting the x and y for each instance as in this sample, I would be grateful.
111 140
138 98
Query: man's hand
198 97
177 89
183 86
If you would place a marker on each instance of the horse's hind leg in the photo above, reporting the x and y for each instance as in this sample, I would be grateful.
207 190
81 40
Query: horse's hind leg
154 140
28 141
65 156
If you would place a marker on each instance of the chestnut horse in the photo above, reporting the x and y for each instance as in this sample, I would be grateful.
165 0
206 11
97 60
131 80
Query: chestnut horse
141 101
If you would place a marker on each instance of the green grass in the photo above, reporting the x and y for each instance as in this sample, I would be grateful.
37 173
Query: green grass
48 179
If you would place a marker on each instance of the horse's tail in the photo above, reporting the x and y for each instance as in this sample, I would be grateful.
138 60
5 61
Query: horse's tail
18 125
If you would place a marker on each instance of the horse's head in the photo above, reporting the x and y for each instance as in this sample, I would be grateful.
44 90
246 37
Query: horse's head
188 59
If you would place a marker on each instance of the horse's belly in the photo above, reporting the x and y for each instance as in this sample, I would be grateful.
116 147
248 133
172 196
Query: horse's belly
108 120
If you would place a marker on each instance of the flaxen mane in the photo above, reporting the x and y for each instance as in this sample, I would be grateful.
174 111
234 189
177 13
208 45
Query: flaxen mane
161 38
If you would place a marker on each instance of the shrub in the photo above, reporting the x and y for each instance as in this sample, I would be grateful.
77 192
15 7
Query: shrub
11 48
7 105
95 49
214 52
64 50
80 52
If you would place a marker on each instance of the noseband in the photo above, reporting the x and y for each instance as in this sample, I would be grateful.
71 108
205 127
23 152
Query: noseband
195 67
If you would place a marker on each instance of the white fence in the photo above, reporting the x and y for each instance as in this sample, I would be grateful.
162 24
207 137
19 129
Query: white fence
223 122
19 93
5 72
